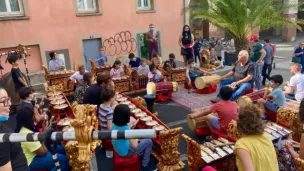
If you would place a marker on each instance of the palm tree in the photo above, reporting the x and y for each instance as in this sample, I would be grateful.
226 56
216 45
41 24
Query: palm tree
240 17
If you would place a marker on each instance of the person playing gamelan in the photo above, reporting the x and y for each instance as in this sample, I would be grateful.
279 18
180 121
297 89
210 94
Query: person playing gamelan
218 115
192 72
154 74
242 74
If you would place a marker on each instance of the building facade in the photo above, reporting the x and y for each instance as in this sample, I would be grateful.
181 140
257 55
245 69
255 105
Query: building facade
75 29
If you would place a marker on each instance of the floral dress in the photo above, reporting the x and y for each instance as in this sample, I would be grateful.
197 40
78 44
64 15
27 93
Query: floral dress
79 93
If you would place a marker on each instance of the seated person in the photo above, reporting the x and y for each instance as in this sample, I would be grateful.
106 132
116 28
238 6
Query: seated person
55 64
117 69
242 74
101 58
154 74
88 79
129 147
276 98
105 112
143 68
295 88
134 61
37 155
225 110
213 55
171 61
78 76
157 60
193 71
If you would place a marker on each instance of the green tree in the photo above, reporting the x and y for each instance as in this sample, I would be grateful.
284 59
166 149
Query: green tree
239 17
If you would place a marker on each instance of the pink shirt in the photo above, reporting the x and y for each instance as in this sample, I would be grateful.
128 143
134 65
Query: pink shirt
116 73
227 111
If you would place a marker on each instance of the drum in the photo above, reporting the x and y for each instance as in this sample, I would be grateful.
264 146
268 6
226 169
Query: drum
205 81
161 87
251 97
196 123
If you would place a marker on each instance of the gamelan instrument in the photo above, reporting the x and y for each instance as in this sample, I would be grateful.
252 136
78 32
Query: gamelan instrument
61 106
251 97
54 93
64 122
58 101
158 128
151 124
51 98
161 87
205 81
196 123
275 131
150 99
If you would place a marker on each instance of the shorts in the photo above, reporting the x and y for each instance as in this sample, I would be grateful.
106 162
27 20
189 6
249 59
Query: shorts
214 121
272 107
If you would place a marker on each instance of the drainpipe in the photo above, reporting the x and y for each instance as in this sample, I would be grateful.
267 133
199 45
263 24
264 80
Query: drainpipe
187 13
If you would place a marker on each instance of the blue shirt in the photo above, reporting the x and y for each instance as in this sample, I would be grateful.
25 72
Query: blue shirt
135 63
278 97
100 62
121 146
299 50
267 58
55 64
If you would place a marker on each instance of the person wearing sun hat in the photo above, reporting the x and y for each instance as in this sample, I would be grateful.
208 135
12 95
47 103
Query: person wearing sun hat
257 56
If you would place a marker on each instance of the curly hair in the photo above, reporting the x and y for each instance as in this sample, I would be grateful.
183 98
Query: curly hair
249 122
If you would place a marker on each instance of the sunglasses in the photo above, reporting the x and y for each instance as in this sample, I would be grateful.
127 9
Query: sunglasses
6 102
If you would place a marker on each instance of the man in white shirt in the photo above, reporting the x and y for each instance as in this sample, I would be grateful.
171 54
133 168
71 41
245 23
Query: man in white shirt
295 88
155 75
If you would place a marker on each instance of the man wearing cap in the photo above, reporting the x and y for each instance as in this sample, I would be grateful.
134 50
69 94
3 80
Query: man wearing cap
257 56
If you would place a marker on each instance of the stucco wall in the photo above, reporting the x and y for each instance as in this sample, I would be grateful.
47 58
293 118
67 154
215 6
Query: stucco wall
53 24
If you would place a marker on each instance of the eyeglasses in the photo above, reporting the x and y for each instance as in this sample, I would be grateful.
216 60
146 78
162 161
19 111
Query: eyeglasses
6 102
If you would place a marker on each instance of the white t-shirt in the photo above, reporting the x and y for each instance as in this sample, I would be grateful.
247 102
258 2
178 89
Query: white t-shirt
77 75
297 81
143 70
157 76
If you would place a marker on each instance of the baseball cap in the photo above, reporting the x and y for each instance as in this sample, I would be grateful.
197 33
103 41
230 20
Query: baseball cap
254 37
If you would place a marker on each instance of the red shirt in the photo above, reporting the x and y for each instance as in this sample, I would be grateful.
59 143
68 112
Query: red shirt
226 110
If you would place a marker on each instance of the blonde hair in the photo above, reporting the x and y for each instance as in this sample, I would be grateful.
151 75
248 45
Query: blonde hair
297 66
244 53
142 61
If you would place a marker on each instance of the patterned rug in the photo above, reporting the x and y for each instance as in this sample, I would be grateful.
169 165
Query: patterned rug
192 101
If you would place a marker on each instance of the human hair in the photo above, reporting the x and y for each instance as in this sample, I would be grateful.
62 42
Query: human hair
187 33
117 62
301 112
250 122
297 66
107 94
121 115
226 92
52 55
12 58
244 53
190 61
87 77
171 55
131 55
24 92
277 79
81 67
154 55
103 77
142 61
152 67
211 48
266 40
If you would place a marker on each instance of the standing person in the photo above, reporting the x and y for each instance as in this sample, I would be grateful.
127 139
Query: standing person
257 57
171 62
254 150
12 157
102 57
152 38
186 42
197 49
295 88
88 79
18 79
299 52
55 64
272 59
267 61
218 49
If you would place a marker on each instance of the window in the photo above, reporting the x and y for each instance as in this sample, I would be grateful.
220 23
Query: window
86 6
11 8
144 4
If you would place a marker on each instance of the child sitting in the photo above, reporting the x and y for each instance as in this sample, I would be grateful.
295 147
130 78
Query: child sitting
193 71
105 111
226 111
170 61
157 60
143 68
117 69
18 79
154 74
213 56
134 61
129 147
276 98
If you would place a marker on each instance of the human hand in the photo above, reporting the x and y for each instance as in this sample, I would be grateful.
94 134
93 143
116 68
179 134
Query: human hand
288 146
191 116
234 84
222 78
258 62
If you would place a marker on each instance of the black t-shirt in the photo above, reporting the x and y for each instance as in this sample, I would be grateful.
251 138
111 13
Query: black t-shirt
240 72
92 95
12 152
16 73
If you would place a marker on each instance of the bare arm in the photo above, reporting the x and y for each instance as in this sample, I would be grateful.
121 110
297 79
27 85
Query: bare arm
180 42
109 124
6 167
246 79
133 143
204 112
263 54
289 89
229 74
36 115
245 159
41 151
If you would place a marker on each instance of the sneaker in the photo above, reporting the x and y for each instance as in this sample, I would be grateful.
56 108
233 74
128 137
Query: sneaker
217 99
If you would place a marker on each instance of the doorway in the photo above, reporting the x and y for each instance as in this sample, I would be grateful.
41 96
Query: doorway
142 45
90 50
